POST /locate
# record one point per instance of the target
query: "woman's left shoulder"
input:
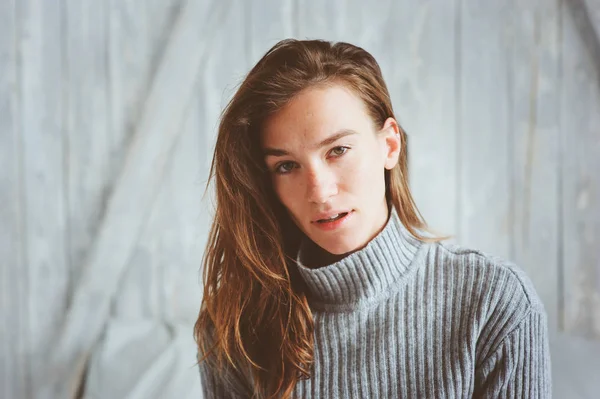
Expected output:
(496, 275)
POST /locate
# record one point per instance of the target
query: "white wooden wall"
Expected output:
(108, 112)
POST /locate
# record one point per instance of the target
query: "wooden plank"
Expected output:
(129, 66)
(580, 174)
(182, 204)
(15, 375)
(592, 9)
(348, 21)
(225, 70)
(423, 85)
(161, 16)
(134, 193)
(355, 22)
(137, 35)
(219, 80)
(484, 131)
(175, 212)
(535, 120)
(92, 148)
(130, 54)
(157, 283)
(180, 228)
(323, 20)
(41, 121)
(575, 366)
(144, 359)
(268, 22)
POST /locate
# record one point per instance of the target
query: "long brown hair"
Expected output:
(255, 322)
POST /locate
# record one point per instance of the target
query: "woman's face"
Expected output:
(327, 162)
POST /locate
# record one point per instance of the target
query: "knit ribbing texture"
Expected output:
(405, 319)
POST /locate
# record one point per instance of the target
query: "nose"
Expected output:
(321, 185)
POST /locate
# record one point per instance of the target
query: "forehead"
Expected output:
(316, 113)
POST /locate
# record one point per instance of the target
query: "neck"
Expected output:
(317, 257)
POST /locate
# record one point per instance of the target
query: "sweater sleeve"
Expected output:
(212, 386)
(216, 384)
(520, 366)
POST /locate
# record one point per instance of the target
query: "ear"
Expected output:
(391, 136)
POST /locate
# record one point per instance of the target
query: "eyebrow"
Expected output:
(276, 152)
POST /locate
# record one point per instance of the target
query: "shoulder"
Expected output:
(497, 296)
(499, 277)
(494, 296)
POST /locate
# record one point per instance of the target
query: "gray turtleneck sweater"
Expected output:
(405, 319)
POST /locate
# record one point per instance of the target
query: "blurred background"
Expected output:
(108, 116)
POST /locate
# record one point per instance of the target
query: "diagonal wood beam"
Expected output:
(134, 193)
(592, 8)
(584, 23)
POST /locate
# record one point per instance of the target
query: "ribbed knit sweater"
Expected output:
(405, 319)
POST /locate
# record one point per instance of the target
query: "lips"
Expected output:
(333, 218)
(330, 216)
(333, 221)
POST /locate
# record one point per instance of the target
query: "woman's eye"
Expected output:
(338, 151)
(284, 167)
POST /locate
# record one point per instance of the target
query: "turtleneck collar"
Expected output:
(366, 273)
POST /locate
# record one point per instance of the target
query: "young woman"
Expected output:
(320, 279)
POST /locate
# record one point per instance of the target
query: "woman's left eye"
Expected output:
(338, 151)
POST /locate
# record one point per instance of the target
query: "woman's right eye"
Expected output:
(285, 167)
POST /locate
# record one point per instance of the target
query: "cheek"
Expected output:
(286, 190)
(364, 176)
